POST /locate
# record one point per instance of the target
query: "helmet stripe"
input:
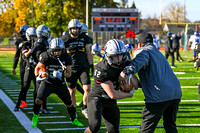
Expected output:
(117, 44)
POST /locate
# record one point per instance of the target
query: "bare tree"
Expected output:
(174, 12)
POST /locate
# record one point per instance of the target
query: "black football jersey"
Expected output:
(76, 47)
(52, 64)
(26, 46)
(40, 45)
(104, 72)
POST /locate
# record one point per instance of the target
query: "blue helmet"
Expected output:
(64, 33)
(22, 30)
(196, 33)
(173, 35)
(153, 36)
(169, 33)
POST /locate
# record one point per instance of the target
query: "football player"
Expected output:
(129, 48)
(168, 49)
(18, 54)
(29, 68)
(194, 39)
(41, 45)
(58, 64)
(105, 90)
(155, 41)
(77, 46)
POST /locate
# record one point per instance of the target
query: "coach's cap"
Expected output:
(145, 38)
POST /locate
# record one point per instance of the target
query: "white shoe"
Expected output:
(85, 113)
(173, 67)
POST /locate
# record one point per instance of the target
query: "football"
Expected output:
(129, 86)
(43, 73)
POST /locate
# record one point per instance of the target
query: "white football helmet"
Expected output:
(56, 44)
(84, 28)
(74, 23)
(43, 31)
(96, 49)
(30, 32)
(115, 47)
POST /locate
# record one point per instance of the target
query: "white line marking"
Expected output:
(55, 122)
(44, 117)
(51, 112)
(32, 108)
(21, 117)
(18, 95)
(135, 126)
(179, 72)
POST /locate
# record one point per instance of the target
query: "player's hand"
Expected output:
(122, 79)
(13, 71)
(39, 77)
(57, 74)
(132, 92)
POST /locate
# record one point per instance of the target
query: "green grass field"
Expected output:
(131, 108)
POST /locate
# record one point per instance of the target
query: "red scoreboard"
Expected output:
(114, 19)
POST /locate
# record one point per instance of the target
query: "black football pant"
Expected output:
(152, 113)
(28, 76)
(22, 72)
(167, 54)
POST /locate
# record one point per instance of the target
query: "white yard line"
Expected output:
(135, 126)
(21, 117)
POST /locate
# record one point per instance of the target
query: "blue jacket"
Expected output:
(158, 81)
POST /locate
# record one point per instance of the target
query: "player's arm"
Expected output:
(67, 72)
(38, 67)
(89, 55)
(112, 93)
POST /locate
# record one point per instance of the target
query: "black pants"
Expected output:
(22, 73)
(171, 54)
(176, 50)
(110, 112)
(152, 112)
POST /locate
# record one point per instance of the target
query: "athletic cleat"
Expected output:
(16, 108)
(77, 123)
(85, 113)
(45, 111)
(35, 120)
(23, 105)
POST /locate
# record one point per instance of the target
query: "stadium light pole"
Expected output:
(160, 20)
(87, 13)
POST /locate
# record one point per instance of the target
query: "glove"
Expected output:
(57, 74)
(132, 91)
(39, 77)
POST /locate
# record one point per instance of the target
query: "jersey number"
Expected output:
(97, 73)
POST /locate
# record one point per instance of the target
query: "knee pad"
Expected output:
(38, 101)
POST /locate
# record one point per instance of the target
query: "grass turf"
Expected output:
(130, 112)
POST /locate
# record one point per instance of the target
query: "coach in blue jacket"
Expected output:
(159, 84)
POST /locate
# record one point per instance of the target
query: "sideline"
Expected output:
(21, 117)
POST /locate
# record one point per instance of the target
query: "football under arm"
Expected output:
(67, 72)
(38, 67)
(112, 93)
